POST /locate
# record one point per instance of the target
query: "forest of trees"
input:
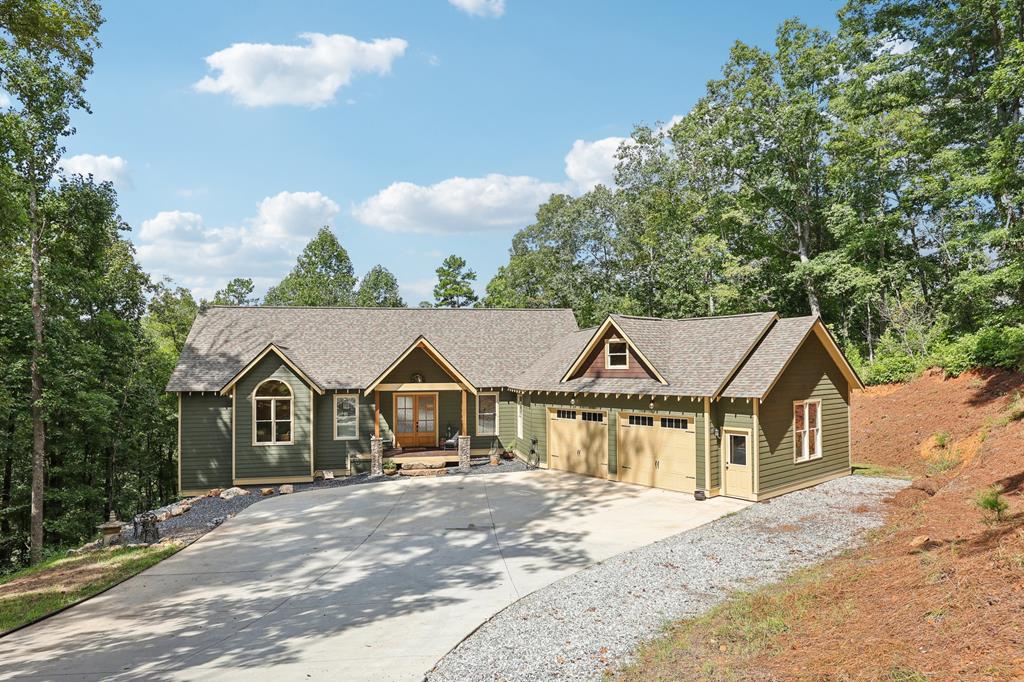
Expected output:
(874, 175)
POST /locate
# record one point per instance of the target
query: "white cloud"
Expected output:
(457, 204)
(261, 75)
(102, 167)
(480, 8)
(589, 164)
(5, 100)
(180, 245)
(492, 202)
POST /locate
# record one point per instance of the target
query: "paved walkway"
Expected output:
(367, 582)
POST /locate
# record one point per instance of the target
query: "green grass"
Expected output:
(877, 470)
(58, 583)
(943, 463)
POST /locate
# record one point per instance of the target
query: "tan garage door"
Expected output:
(657, 450)
(578, 441)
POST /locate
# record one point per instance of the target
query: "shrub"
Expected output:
(942, 439)
(989, 347)
(991, 502)
(891, 369)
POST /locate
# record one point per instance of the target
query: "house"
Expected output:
(747, 406)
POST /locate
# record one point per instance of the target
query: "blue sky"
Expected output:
(233, 130)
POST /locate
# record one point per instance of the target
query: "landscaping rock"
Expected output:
(423, 465)
(232, 493)
(265, 492)
(422, 472)
(286, 489)
(214, 492)
(921, 542)
(162, 515)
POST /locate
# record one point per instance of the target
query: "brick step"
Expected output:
(422, 472)
(421, 465)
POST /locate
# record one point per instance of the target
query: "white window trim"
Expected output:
(607, 356)
(273, 415)
(519, 417)
(496, 427)
(351, 396)
(800, 449)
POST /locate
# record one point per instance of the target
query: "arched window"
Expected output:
(272, 413)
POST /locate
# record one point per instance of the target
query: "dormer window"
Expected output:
(616, 354)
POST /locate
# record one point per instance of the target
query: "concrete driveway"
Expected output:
(363, 582)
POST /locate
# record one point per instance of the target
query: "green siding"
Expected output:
(811, 374)
(205, 441)
(727, 413)
(334, 454)
(270, 461)
(418, 362)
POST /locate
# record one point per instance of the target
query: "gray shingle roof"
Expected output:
(522, 349)
(694, 355)
(350, 347)
(769, 358)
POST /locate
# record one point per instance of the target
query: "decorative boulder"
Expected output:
(266, 491)
(232, 493)
(214, 492)
(146, 530)
(163, 514)
(286, 489)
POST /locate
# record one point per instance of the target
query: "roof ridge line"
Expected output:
(697, 317)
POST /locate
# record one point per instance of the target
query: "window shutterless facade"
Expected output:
(640, 420)
(806, 430)
(616, 354)
(487, 414)
(346, 417)
(674, 423)
(565, 414)
(272, 413)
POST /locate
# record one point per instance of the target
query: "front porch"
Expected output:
(424, 456)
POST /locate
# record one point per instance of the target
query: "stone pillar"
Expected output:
(464, 453)
(376, 456)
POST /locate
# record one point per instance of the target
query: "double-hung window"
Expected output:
(272, 413)
(806, 430)
(487, 414)
(346, 416)
(616, 354)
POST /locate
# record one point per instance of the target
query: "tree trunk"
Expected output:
(36, 395)
(6, 541)
(803, 247)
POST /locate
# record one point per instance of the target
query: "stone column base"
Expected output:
(464, 453)
(376, 456)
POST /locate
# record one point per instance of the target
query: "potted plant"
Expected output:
(390, 467)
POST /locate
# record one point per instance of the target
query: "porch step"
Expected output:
(422, 465)
(432, 471)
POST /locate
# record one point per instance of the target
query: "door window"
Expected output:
(403, 414)
(425, 419)
(737, 449)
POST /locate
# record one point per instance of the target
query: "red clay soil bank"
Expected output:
(949, 607)
(892, 424)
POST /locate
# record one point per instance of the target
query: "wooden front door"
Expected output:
(416, 420)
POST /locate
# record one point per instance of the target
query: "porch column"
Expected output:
(464, 438)
(376, 414)
(464, 431)
(376, 456)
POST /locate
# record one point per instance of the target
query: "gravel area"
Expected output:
(207, 513)
(586, 625)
